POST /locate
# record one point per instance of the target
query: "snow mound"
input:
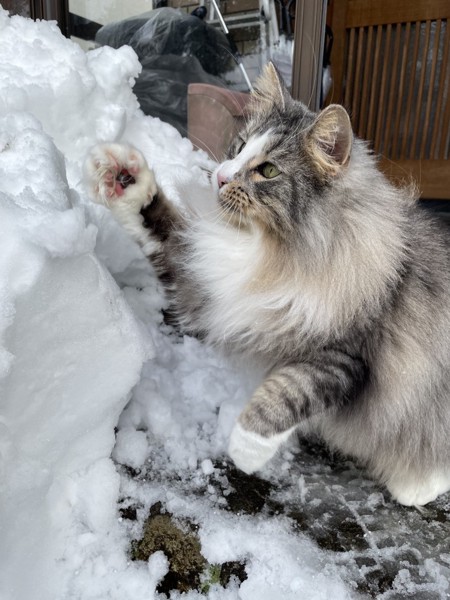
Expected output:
(70, 348)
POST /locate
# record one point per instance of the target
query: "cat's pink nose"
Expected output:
(222, 179)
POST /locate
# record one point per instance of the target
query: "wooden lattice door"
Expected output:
(391, 70)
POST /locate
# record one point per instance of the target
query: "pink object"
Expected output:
(215, 114)
(118, 189)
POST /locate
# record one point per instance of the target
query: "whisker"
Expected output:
(208, 172)
(211, 153)
(239, 226)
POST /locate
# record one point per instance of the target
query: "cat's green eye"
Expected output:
(269, 170)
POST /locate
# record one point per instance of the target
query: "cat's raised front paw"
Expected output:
(117, 175)
(251, 451)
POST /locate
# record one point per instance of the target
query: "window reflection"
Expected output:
(178, 42)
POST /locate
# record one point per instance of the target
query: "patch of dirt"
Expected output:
(250, 493)
(180, 544)
(188, 569)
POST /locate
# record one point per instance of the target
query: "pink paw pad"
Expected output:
(123, 180)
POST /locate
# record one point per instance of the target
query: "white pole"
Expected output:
(238, 58)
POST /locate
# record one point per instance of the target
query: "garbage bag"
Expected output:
(175, 49)
(162, 87)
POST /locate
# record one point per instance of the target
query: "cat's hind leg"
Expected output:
(418, 489)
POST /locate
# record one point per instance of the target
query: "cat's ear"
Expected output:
(269, 89)
(330, 139)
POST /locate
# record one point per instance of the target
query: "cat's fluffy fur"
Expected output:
(331, 277)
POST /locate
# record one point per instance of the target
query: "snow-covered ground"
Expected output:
(106, 415)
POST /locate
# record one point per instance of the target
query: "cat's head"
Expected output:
(285, 159)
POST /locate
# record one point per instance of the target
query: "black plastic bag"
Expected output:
(175, 49)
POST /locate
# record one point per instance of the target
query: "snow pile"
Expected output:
(83, 350)
(71, 350)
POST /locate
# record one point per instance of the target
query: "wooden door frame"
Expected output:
(309, 40)
(431, 173)
(52, 10)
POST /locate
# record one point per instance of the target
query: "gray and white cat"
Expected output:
(337, 282)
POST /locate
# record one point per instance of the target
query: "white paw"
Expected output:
(419, 490)
(251, 451)
(117, 176)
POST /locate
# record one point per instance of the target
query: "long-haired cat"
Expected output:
(336, 281)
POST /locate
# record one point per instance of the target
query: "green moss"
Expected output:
(210, 577)
(188, 569)
(222, 574)
(180, 544)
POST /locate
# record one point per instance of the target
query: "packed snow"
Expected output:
(103, 408)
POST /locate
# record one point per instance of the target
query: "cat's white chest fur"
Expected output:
(253, 297)
(225, 261)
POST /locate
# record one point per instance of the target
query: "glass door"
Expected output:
(223, 43)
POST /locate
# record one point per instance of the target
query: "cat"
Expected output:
(316, 266)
